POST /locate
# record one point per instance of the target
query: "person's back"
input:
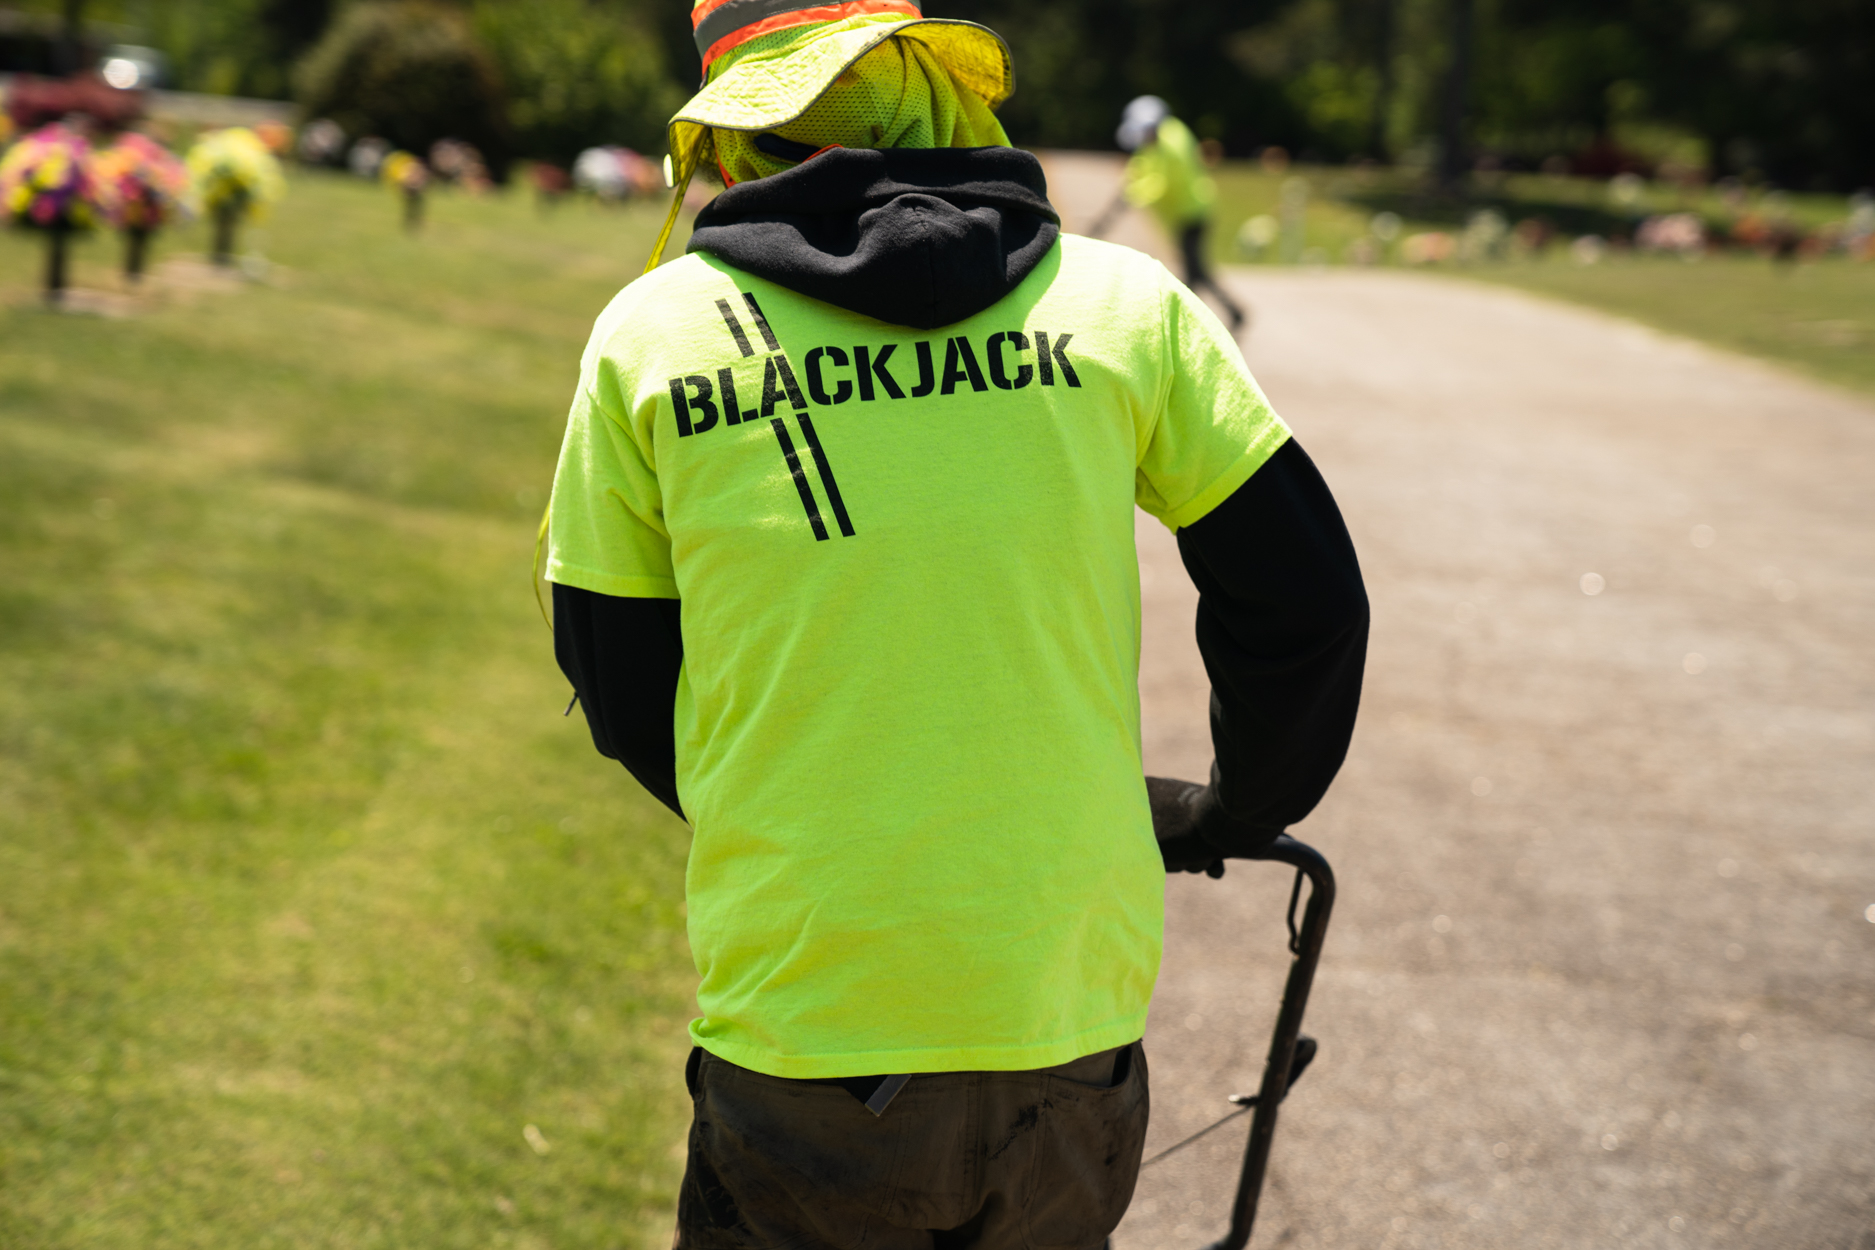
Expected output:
(881, 434)
(1167, 175)
(909, 701)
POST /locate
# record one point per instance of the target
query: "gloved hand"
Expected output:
(1176, 812)
(1194, 831)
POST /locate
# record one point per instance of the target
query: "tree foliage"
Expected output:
(1079, 61)
(1778, 88)
(228, 47)
(411, 72)
(1775, 87)
(1785, 87)
(577, 75)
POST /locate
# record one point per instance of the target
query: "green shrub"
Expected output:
(578, 75)
(411, 72)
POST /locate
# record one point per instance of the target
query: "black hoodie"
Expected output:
(920, 237)
(926, 238)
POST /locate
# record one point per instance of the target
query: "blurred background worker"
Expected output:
(1166, 175)
(842, 543)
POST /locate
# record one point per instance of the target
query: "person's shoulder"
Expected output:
(1174, 133)
(663, 301)
(1080, 250)
(663, 318)
(1113, 265)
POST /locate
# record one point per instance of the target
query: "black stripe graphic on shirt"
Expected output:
(735, 327)
(800, 480)
(761, 322)
(826, 475)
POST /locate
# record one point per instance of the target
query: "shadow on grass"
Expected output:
(1430, 207)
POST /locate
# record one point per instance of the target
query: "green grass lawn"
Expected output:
(1817, 316)
(310, 900)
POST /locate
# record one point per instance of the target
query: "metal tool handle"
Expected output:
(1108, 215)
(1305, 944)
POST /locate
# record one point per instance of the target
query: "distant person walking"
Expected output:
(1166, 175)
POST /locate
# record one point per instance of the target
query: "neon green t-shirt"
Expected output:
(1168, 177)
(907, 723)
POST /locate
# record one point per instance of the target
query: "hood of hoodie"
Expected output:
(919, 237)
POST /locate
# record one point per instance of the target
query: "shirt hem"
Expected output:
(618, 585)
(1199, 506)
(927, 1060)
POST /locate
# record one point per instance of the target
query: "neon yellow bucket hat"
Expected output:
(765, 62)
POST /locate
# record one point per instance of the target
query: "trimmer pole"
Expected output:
(1306, 945)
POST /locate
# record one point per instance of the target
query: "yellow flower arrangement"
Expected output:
(235, 173)
(402, 171)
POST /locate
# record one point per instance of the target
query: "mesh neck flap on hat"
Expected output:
(899, 95)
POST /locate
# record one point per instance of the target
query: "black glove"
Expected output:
(1194, 831)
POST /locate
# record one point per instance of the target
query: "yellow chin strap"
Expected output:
(687, 144)
(540, 548)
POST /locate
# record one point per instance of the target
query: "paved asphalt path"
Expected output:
(1603, 967)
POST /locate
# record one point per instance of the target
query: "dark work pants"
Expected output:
(1198, 275)
(1041, 1160)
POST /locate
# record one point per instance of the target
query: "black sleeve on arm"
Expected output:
(622, 656)
(1282, 626)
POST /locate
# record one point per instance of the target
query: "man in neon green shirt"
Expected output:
(842, 552)
(1166, 175)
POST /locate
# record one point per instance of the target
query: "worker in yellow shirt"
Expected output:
(1166, 175)
(844, 564)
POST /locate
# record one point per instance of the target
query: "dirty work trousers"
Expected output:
(1040, 1160)
(1198, 273)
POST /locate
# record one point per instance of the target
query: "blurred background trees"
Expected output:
(411, 73)
(1773, 89)
(579, 75)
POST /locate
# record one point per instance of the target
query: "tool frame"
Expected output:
(1305, 945)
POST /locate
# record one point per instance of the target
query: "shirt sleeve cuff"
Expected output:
(618, 585)
(1223, 487)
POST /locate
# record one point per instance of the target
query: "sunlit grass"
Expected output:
(310, 901)
(1818, 316)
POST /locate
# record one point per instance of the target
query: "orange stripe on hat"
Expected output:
(721, 26)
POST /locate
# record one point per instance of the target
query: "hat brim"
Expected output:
(771, 88)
